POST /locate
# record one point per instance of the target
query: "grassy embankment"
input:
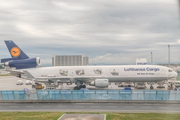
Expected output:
(109, 116)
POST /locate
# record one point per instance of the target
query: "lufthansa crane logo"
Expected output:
(15, 51)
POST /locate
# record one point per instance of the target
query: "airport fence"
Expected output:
(90, 95)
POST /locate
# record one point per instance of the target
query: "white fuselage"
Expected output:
(116, 73)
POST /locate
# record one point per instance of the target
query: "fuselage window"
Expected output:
(170, 70)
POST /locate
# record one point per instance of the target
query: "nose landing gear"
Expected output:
(79, 85)
(151, 87)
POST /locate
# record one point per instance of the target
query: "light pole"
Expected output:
(94, 61)
(151, 58)
(168, 55)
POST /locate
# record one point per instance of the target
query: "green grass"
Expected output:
(178, 78)
(30, 115)
(5, 75)
(142, 116)
(109, 115)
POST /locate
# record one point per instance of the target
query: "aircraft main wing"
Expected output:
(85, 79)
(14, 72)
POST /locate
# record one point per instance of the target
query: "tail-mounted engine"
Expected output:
(23, 63)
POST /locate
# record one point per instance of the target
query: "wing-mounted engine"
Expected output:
(101, 83)
(23, 63)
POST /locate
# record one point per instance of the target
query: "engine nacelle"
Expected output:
(38, 61)
(101, 83)
(24, 63)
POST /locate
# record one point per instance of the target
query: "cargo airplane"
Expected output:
(98, 76)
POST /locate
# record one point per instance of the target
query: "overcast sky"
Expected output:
(108, 32)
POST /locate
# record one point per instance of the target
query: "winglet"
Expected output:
(28, 75)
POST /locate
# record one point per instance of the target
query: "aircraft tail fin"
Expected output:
(28, 75)
(14, 50)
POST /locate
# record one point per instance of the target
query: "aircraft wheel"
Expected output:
(83, 86)
(76, 88)
(151, 87)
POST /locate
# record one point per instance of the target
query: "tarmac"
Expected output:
(92, 107)
(9, 83)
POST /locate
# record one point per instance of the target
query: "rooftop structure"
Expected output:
(70, 60)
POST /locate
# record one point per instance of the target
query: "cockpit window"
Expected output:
(170, 70)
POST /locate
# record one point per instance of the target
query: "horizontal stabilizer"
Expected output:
(7, 59)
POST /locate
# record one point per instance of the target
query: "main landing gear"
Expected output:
(79, 85)
(78, 88)
(151, 87)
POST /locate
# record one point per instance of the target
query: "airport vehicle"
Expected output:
(51, 86)
(174, 83)
(98, 76)
(125, 84)
(140, 85)
(38, 86)
(84, 89)
(28, 82)
(127, 88)
(19, 82)
(26, 89)
(69, 83)
(177, 84)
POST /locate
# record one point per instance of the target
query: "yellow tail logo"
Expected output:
(15, 51)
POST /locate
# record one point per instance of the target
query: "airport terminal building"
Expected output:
(70, 60)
